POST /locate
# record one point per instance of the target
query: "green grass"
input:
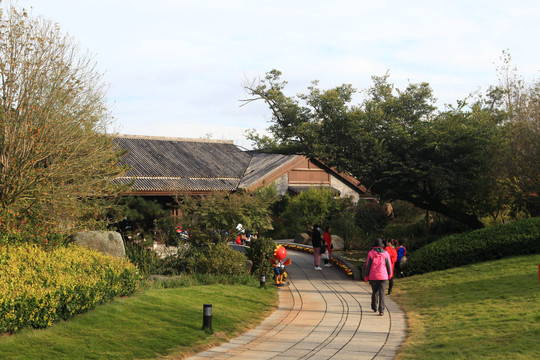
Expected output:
(147, 325)
(489, 310)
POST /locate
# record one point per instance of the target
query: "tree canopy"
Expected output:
(56, 161)
(395, 141)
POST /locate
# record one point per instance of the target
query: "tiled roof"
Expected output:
(261, 165)
(173, 164)
(178, 184)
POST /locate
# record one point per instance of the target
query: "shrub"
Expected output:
(146, 260)
(28, 231)
(39, 287)
(260, 251)
(214, 259)
(405, 212)
(517, 238)
(353, 236)
(371, 217)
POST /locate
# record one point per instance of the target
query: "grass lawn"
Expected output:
(355, 257)
(149, 324)
(483, 311)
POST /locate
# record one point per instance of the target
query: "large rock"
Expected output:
(107, 242)
(338, 242)
(302, 238)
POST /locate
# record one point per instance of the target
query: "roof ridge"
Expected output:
(166, 138)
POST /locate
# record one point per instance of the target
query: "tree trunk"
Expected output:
(471, 221)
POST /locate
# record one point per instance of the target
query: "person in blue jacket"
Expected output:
(401, 252)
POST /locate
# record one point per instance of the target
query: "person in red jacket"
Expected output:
(378, 271)
(328, 245)
(389, 248)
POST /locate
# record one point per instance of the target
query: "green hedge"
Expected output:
(517, 238)
(39, 287)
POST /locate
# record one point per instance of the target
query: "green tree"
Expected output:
(394, 142)
(56, 163)
(316, 205)
(521, 161)
(214, 217)
(144, 219)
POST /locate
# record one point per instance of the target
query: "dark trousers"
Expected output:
(397, 269)
(378, 288)
(390, 285)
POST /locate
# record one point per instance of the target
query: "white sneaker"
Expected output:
(318, 268)
(328, 265)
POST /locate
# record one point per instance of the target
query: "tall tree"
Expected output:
(55, 159)
(522, 160)
(394, 142)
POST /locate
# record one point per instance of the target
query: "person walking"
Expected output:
(401, 252)
(327, 237)
(389, 248)
(316, 242)
(378, 271)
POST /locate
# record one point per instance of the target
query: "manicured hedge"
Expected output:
(39, 287)
(517, 238)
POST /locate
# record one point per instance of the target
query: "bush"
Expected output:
(371, 217)
(517, 238)
(214, 259)
(26, 231)
(146, 259)
(353, 236)
(405, 212)
(416, 235)
(39, 287)
(260, 251)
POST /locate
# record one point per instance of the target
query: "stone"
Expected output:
(338, 242)
(107, 242)
(249, 265)
(302, 238)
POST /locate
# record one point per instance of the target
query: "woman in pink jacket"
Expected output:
(378, 271)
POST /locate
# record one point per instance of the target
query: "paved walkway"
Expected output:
(321, 315)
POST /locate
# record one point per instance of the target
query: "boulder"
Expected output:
(338, 242)
(249, 265)
(302, 238)
(107, 242)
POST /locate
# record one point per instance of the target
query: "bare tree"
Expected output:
(55, 156)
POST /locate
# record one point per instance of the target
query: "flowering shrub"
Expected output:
(39, 287)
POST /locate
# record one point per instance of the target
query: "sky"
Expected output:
(176, 68)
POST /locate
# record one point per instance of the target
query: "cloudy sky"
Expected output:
(176, 67)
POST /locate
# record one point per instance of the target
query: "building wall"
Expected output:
(343, 189)
(282, 184)
(307, 172)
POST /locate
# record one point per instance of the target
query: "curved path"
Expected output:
(321, 315)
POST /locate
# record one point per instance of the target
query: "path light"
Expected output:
(262, 280)
(207, 317)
